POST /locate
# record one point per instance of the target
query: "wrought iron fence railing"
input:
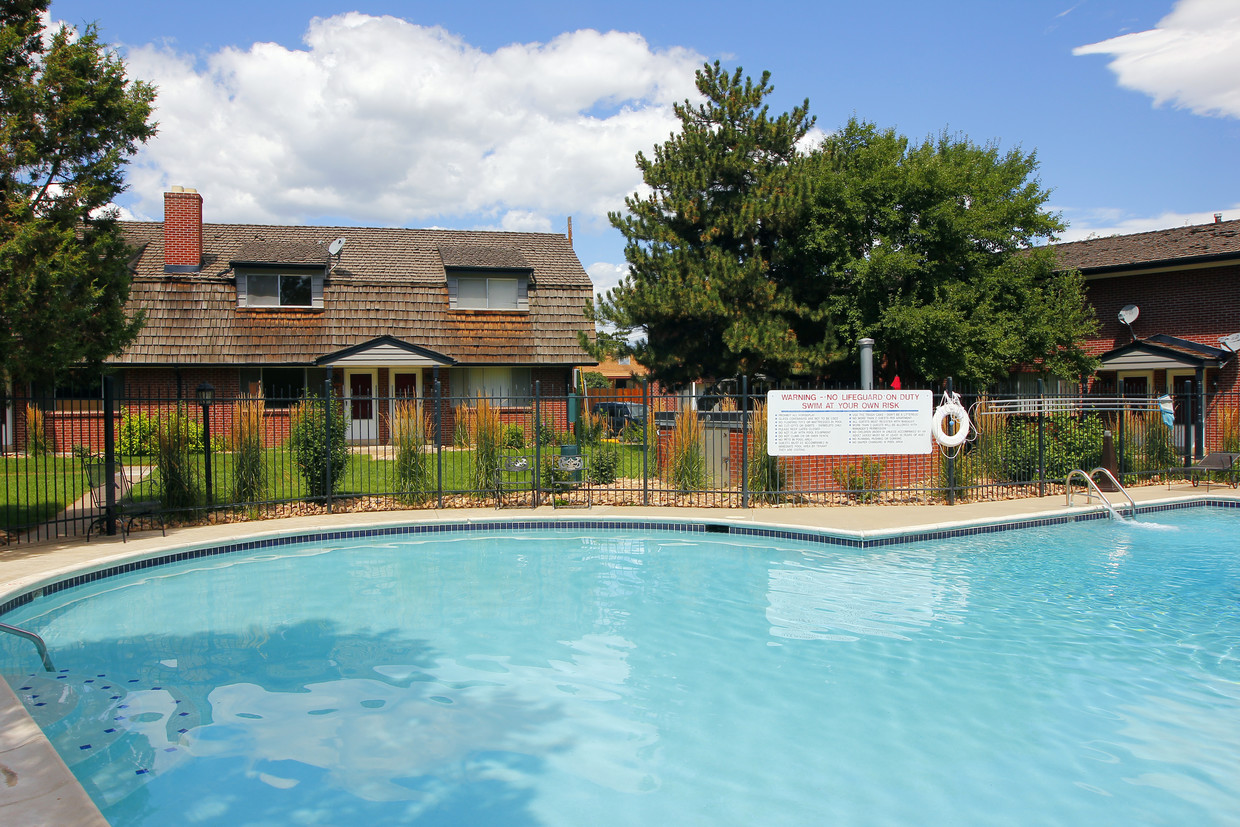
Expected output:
(243, 458)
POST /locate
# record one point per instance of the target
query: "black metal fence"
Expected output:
(233, 459)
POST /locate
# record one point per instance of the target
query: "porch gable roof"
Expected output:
(388, 351)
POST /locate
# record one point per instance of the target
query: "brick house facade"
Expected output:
(1183, 286)
(381, 313)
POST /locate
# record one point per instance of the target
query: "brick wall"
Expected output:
(1198, 305)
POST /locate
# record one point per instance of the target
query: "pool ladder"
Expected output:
(1093, 489)
(33, 638)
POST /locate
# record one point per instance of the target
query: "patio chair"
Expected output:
(127, 509)
(1220, 462)
(513, 476)
(569, 476)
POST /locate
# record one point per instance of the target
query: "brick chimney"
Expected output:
(182, 230)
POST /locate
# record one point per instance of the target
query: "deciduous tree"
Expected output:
(69, 121)
(932, 250)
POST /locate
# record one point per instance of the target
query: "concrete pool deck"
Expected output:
(37, 788)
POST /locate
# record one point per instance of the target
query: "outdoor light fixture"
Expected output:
(205, 393)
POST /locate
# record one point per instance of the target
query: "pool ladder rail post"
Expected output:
(1093, 490)
(33, 638)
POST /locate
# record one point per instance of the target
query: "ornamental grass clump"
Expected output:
(245, 441)
(174, 456)
(410, 428)
(1229, 429)
(687, 465)
(488, 445)
(37, 442)
(765, 477)
(863, 481)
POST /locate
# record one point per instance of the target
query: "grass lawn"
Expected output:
(38, 488)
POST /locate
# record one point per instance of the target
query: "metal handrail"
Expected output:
(33, 638)
(1093, 487)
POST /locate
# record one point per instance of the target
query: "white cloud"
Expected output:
(606, 275)
(1103, 222)
(383, 121)
(1191, 58)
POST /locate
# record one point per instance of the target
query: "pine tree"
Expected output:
(713, 281)
(69, 120)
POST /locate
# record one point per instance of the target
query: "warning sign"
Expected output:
(831, 423)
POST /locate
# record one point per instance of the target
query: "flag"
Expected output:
(1168, 412)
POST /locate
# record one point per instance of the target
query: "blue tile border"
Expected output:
(534, 524)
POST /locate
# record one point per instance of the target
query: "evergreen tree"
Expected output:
(930, 249)
(714, 282)
(69, 120)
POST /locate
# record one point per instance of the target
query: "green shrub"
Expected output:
(604, 464)
(632, 434)
(545, 432)
(514, 437)
(314, 448)
(178, 442)
(414, 479)
(553, 473)
(968, 473)
(1070, 443)
(245, 441)
(139, 433)
(863, 481)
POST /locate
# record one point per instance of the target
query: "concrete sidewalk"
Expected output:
(36, 788)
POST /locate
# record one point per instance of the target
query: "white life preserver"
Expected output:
(951, 407)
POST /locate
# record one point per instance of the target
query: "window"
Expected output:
(482, 293)
(281, 387)
(508, 387)
(279, 291)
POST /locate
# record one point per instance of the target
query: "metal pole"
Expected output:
(646, 442)
(327, 420)
(951, 463)
(438, 438)
(537, 437)
(1199, 422)
(1041, 439)
(109, 452)
(744, 442)
(206, 449)
(867, 364)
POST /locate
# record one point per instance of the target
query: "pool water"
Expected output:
(1079, 674)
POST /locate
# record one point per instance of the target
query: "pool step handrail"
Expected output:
(1093, 489)
(33, 638)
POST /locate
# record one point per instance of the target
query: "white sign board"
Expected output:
(832, 423)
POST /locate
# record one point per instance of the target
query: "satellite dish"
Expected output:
(1231, 342)
(1129, 314)
(336, 246)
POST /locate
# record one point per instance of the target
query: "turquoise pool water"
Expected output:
(1081, 674)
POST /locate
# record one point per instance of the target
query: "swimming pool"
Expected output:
(1087, 673)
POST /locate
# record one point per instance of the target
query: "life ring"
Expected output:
(951, 407)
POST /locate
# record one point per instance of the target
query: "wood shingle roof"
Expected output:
(385, 282)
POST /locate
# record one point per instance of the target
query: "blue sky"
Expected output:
(517, 115)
